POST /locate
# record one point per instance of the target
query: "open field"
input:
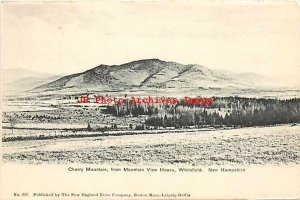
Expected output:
(276, 145)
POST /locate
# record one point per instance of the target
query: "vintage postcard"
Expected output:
(150, 100)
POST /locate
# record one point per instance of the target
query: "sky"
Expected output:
(66, 38)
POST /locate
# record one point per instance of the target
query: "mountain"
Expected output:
(153, 74)
(18, 79)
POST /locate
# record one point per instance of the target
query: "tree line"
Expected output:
(224, 111)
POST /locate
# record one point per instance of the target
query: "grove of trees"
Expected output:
(224, 111)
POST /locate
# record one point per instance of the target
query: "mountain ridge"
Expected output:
(150, 73)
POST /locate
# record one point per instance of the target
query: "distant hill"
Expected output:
(155, 73)
(18, 79)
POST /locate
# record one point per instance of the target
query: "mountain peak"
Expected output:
(144, 61)
(147, 73)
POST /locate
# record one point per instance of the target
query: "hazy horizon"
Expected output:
(67, 38)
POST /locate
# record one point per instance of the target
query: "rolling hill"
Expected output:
(19, 79)
(154, 74)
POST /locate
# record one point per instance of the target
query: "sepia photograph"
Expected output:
(160, 89)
